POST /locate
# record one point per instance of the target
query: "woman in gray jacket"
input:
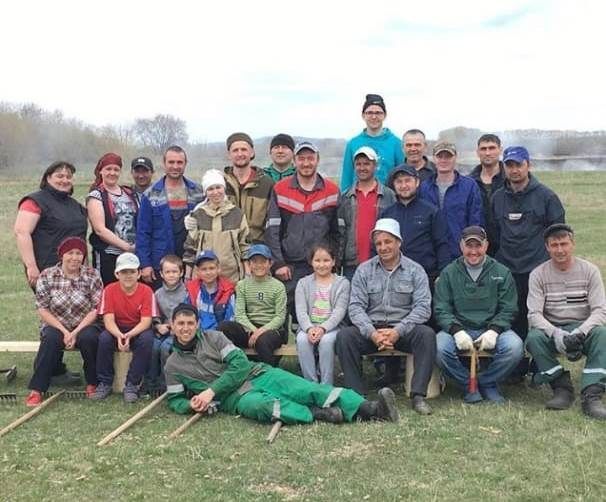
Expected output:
(321, 301)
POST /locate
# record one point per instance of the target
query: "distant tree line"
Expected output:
(31, 138)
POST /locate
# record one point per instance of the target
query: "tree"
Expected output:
(161, 132)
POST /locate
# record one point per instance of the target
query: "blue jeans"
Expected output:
(508, 352)
(161, 349)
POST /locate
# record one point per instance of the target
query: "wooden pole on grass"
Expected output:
(274, 431)
(115, 433)
(182, 428)
(31, 414)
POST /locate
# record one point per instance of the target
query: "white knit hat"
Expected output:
(211, 178)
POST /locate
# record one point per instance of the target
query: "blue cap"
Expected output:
(207, 254)
(516, 153)
(258, 249)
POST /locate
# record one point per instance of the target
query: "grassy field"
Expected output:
(516, 452)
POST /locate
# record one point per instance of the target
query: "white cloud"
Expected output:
(271, 66)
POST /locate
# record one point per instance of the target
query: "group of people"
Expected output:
(410, 255)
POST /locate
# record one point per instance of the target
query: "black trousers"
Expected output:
(298, 270)
(266, 343)
(105, 264)
(420, 342)
(51, 351)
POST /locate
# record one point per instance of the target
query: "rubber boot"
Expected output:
(331, 414)
(592, 401)
(384, 408)
(563, 393)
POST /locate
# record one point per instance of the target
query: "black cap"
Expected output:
(184, 307)
(406, 169)
(283, 140)
(474, 232)
(555, 228)
(373, 99)
(143, 162)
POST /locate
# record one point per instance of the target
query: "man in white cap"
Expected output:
(359, 209)
(390, 301)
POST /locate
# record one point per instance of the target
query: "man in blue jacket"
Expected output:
(522, 210)
(424, 231)
(160, 226)
(457, 196)
(379, 138)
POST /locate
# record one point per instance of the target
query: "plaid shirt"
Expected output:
(69, 300)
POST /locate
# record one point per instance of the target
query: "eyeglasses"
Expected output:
(374, 114)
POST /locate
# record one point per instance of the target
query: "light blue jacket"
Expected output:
(388, 147)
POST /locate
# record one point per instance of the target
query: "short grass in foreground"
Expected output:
(516, 452)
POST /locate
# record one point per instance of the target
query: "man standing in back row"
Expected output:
(415, 148)
(248, 187)
(385, 143)
(281, 151)
(522, 210)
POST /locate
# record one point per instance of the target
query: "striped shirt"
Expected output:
(260, 303)
(320, 310)
(557, 298)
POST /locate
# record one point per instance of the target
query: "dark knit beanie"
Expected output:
(373, 99)
(283, 140)
(239, 136)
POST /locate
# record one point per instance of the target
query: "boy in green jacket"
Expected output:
(206, 367)
(474, 303)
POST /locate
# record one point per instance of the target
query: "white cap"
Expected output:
(127, 261)
(211, 178)
(367, 152)
(388, 225)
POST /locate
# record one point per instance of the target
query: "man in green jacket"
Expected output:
(206, 367)
(475, 302)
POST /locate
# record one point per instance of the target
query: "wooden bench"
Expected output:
(122, 362)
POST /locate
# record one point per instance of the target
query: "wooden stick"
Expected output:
(31, 413)
(473, 364)
(274, 431)
(132, 420)
(182, 428)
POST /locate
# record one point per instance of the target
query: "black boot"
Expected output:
(563, 393)
(420, 405)
(331, 414)
(592, 401)
(384, 408)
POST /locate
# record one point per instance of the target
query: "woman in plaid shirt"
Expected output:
(67, 296)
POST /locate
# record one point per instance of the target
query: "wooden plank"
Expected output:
(19, 346)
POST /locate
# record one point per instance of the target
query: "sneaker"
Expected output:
(102, 391)
(90, 390)
(492, 394)
(130, 393)
(420, 405)
(34, 399)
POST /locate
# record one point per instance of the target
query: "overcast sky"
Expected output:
(304, 67)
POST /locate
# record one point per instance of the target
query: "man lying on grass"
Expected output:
(206, 366)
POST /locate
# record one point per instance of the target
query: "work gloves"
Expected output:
(487, 340)
(569, 344)
(463, 341)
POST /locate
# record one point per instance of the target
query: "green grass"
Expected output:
(516, 452)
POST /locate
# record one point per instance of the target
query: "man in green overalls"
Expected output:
(206, 367)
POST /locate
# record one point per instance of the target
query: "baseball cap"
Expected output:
(403, 169)
(516, 153)
(306, 145)
(444, 146)
(473, 232)
(555, 228)
(143, 162)
(207, 254)
(367, 152)
(127, 261)
(388, 225)
(258, 250)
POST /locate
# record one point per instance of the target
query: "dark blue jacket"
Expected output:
(424, 233)
(497, 182)
(520, 219)
(462, 206)
(155, 237)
